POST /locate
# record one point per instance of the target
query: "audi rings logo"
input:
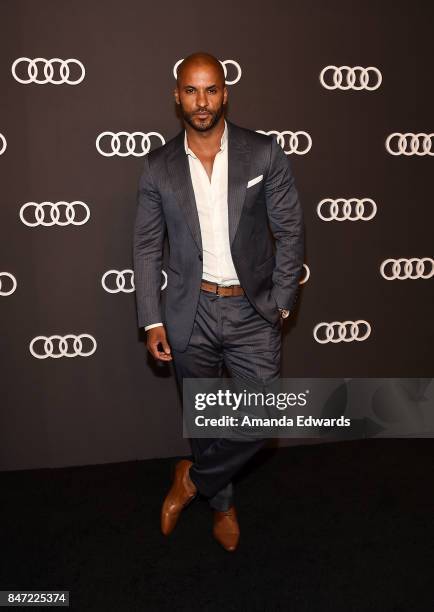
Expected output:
(345, 331)
(126, 143)
(347, 77)
(39, 213)
(402, 269)
(3, 144)
(7, 279)
(289, 141)
(55, 346)
(306, 276)
(236, 68)
(119, 277)
(409, 144)
(342, 209)
(63, 68)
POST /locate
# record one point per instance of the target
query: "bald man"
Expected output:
(216, 189)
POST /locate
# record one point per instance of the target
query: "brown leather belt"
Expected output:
(221, 289)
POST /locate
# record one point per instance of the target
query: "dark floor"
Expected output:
(345, 526)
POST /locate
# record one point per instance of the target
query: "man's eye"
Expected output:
(212, 90)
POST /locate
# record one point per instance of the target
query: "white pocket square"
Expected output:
(254, 181)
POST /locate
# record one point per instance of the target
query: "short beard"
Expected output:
(214, 119)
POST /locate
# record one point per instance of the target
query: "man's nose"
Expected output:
(202, 99)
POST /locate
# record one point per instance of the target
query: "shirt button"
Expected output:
(200, 256)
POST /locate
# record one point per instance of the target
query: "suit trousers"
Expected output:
(227, 331)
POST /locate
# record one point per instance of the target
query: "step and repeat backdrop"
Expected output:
(87, 87)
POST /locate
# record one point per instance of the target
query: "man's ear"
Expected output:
(176, 95)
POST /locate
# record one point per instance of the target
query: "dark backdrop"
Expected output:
(116, 404)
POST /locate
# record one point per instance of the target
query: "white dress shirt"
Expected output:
(212, 207)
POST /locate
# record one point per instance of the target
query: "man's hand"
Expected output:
(154, 337)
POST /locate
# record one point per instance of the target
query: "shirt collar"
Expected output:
(223, 141)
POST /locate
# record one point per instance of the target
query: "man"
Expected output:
(216, 188)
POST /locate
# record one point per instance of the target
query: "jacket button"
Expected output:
(200, 256)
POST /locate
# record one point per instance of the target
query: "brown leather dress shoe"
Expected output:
(226, 529)
(181, 493)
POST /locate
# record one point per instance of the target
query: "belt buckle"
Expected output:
(225, 287)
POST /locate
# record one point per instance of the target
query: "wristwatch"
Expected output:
(284, 313)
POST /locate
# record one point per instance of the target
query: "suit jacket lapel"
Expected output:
(238, 176)
(180, 178)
